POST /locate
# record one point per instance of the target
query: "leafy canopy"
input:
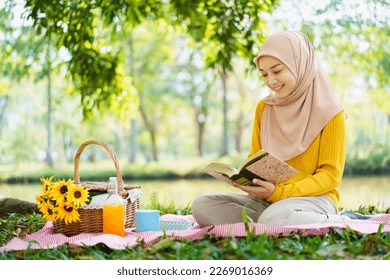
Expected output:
(87, 30)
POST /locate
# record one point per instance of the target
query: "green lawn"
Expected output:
(336, 244)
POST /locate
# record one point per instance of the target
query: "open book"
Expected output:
(261, 165)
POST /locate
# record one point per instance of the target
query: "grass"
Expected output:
(336, 244)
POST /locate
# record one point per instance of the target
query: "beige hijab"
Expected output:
(290, 124)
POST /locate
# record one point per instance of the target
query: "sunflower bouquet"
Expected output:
(60, 200)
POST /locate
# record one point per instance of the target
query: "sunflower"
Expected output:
(40, 199)
(60, 189)
(47, 184)
(48, 210)
(60, 200)
(68, 213)
(77, 195)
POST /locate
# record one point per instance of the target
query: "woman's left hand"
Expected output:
(262, 189)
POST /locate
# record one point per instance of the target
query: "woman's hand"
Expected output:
(263, 189)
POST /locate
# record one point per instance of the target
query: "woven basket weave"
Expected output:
(91, 218)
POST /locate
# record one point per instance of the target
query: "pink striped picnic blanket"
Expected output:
(45, 238)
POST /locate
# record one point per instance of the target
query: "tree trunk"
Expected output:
(201, 126)
(133, 121)
(13, 205)
(149, 127)
(200, 122)
(225, 141)
(3, 105)
(49, 159)
(241, 122)
(61, 149)
(240, 128)
(154, 145)
(133, 140)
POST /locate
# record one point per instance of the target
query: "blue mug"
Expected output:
(147, 220)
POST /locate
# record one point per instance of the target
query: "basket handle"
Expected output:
(76, 173)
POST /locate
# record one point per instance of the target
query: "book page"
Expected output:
(272, 169)
(220, 168)
(235, 178)
(219, 176)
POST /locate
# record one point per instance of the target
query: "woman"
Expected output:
(302, 123)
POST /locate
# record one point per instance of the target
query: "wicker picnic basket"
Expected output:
(91, 218)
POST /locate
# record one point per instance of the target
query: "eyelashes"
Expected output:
(276, 72)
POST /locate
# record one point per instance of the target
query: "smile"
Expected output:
(278, 88)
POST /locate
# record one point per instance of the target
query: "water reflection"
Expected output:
(354, 192)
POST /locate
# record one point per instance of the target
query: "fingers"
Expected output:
(258, 182)
(238, 186)
(248, 189)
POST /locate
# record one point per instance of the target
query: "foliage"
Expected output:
(372, 161)
(225, 28)
(362, 36)
(14, 51)
(168, 209)
(19, 225)
(357, 80)
(336, 244)
(152, 56)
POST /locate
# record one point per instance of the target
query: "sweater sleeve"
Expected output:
(330, 165)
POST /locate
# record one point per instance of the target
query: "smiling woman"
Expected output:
(277, 76)
(302, 123)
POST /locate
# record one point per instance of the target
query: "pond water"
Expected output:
(354, 191)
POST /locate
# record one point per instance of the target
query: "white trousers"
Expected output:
(212, 209)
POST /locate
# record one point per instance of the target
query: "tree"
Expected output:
(361, 40)
(21, 50)
(225, 29)
(361, 35)
(153, 56)
(87, 32)
(94, 64)
(194, 86)
(9, 57)
(244, 95)
(4, 100)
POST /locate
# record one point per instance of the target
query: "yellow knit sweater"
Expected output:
(321, 166)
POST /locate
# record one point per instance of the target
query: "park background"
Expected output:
(171, 85)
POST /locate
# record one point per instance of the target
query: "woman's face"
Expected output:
(277, 76)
